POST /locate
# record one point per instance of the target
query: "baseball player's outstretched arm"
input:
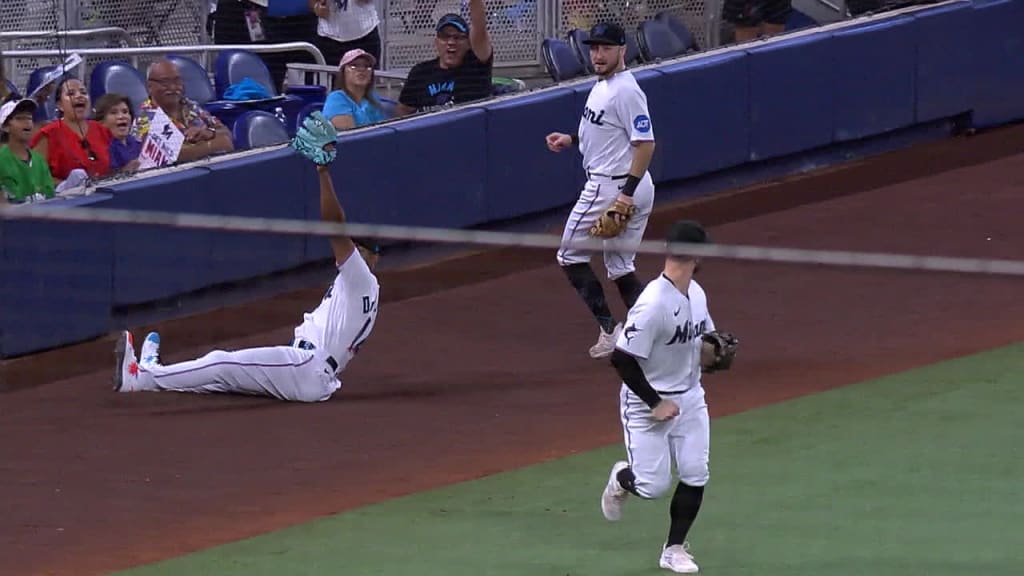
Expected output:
(331, 211)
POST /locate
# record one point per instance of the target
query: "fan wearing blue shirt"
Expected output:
(354, 103)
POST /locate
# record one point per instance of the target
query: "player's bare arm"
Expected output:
(331, 211)
(643, 152)
(633, 376)
(479, 39)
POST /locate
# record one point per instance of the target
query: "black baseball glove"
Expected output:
(717, 351)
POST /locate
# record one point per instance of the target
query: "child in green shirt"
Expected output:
(24, 173)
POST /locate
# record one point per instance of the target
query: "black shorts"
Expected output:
(752, 13)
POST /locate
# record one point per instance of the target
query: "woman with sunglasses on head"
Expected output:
(74, 142)
(354, 102)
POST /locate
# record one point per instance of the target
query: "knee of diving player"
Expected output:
(694, 471)
(652, 483)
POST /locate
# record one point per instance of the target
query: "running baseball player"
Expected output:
(616, 138)
(669, 337)
(328, 338)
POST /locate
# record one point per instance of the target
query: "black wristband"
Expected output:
(630, 186)
(575, 139)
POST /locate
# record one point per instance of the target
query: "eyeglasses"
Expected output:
(456, 37)
(85, 146)
(359, 67)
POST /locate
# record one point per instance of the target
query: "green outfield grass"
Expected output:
(914, 474)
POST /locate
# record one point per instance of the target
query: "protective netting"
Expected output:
(516, 30)
(134, 23)
(698, 15)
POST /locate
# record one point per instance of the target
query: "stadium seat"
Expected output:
(577, 38)
(390, 107)
(658, 42)
(632, 50)
(561, 60)
(306, 111)
(234, 65)
(119, 77)
(12, 88)
(197, 81)
(258, 128)
(679, 29)
(797, 20)
(49, 110)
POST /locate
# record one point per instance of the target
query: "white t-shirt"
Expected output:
(615, 116)
(659, 331)
(347, 313)
(351, 21)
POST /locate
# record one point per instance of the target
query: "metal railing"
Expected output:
(112, 31)
(205, 50)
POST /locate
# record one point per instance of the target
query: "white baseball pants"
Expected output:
(652, 446)
(597, 196)
(282, 372)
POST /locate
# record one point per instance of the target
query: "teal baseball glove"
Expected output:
(316, 139)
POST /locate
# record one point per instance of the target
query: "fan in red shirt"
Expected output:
(74, 141)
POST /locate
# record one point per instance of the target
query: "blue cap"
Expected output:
(455, 20)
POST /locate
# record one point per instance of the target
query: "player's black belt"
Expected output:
(675, 393)
(619, 177)
(307, 345)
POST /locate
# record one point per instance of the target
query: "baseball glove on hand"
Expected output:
(613, 221)
(316, 139)
(717, 351)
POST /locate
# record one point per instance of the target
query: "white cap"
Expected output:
(16, 106)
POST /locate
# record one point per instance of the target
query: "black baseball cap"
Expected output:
(689, 232)
(608, 33)
(454, 20)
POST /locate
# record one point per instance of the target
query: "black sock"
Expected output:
(583, 279)
(683, 511)
(627, 480)
(629, 288)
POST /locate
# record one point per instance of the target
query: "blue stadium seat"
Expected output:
(679, 29)
(561, 60)
(658, 41)
(577, 38)
(234, 65)
(306, 111)
(797, 20)
(258, 128)
(49, 110)
(389, 106)
(120, 77)
(197, 81)
(12, 88)
(632, 50)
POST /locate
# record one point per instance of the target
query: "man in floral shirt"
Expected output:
(204, 134)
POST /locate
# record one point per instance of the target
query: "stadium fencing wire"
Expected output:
(500, 239)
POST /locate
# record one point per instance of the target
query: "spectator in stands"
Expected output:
(354, 102)
(205, 135)
(462, 70)
(754, 18)
(115, 112)
(346, 25)
(24, 173)
(74, 146)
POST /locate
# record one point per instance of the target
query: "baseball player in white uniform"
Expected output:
(659, 357)
(616, 139)
(305, 371)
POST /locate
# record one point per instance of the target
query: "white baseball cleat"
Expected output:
(677, 559)
(605, 343)
(614, 494)
(126, 369)
(150, 352)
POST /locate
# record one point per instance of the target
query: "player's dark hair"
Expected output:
(687, 232)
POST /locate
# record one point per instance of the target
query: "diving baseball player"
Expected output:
(668, 338)
(326, 341)
(616, 138)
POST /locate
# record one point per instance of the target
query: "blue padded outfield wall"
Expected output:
(711, 112)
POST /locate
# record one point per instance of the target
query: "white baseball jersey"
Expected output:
(615, 115)
(347, 313)
(702, 321)
(349, 20)
(660, 332)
